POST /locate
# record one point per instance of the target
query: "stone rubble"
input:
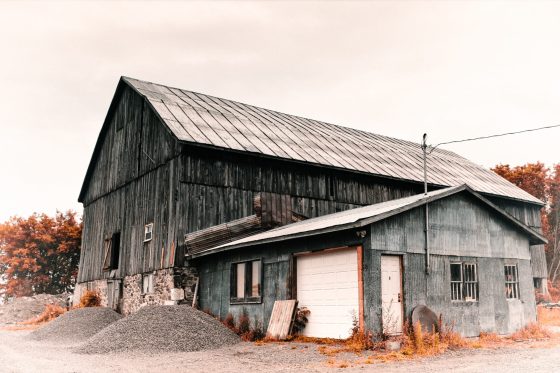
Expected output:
(76, 325)
(25, 308)
(155, 329)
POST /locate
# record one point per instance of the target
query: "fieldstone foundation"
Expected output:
(164, 282)
(98, 285)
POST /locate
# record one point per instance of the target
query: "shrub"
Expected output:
(229, 322)
(531, 331)
(90, 298)
(300, 320)
(51, 311)
(243, 323)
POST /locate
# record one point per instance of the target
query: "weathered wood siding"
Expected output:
(529, 214)
(461, 229)
(132, 184)
(133, 143)
(218, 187)
(277, 260)
(143, 175)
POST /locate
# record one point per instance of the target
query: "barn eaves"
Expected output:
(363, 216)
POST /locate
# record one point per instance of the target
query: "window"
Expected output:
(464, 282)
(148, 283)
(246, 282)
(148, 232)
(112, 252)
(512, 282)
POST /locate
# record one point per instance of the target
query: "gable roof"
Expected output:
(206, 120)
(202, 119)
(363, 216)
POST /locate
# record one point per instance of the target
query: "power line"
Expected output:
(498, 135)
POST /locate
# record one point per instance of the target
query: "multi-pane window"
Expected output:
(246, 282)
(512, 282)
(464, 282)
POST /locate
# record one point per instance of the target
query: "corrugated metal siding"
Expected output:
(203, 119)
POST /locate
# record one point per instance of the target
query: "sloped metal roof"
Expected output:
(197, 118)
(362, 216)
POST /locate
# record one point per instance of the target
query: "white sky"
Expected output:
(451, 69)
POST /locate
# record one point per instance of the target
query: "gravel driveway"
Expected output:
(20, 354)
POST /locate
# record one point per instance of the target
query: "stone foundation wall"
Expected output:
(98, 285)
(170, 286)
(186, 278)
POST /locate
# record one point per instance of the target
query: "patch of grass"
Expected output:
(51, 312)
(532, 331)
(548, 316)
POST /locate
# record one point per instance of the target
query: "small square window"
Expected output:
(464, 282)
(148, 232)
(246, 282)
(512, 281)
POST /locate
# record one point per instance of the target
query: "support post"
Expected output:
(426, 208)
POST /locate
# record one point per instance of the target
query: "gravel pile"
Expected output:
(24, 308)
(161, 328)
(76, 325)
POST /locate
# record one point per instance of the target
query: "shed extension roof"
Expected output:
(202, 119)
(362, 216)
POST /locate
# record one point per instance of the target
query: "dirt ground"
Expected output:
(19, 354)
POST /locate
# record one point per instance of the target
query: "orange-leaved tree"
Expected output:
(39, 254)
(553, 224)
(544, 184)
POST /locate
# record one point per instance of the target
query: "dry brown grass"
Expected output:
(548, 316)
(532, 331)
(90, 298)
(51, 311)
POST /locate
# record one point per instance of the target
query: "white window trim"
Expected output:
(151, 232)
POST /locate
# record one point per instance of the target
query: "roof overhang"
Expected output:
(535, 238)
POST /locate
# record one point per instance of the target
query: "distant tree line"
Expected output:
(39, 254)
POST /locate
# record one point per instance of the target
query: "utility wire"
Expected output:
(491, 136)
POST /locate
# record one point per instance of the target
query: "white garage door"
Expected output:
(327, 284)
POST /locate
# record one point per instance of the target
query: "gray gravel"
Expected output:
(24, 308)
(155, 329)
(76, 325)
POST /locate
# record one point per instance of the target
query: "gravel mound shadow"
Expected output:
(76, 325)
(161, 328)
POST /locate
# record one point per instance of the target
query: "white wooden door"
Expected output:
(391, 294)
(327, 284)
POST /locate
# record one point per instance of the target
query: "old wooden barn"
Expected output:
(192, 194)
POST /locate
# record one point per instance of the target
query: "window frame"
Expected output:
(112, 251)
(247, 282)
(468, 286)
(149, 278)
(151, 231)
(512, 284)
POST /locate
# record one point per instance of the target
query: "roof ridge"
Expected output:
(353, 149)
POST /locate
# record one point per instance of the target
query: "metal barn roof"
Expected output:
(197, 118)
(362, 216)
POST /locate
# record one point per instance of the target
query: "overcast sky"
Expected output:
(451, 69)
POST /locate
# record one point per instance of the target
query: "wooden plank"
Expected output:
(360, 252)
(281, 319)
